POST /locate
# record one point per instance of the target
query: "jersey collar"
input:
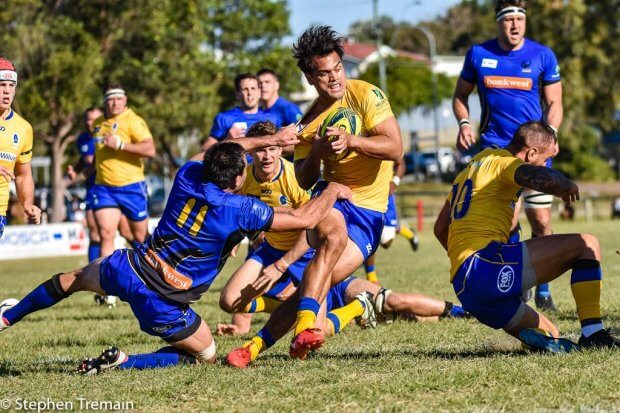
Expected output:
(10, 115)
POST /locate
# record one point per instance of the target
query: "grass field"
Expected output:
(452, 365)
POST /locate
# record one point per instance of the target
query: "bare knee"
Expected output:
(591, 247)
(227, 302)
(394, 301)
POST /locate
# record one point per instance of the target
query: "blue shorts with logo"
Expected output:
(337, 295)
(131, 199)
(157, 316)
(2, 224)
(490, 283)
(391, 219)
(266, 254)
(364, 226)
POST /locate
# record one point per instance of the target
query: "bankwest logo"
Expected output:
(505, 82)
(7, 156)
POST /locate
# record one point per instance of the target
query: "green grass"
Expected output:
(452, 365)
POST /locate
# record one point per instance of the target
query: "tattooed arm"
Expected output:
(547, 180)
(311, 213)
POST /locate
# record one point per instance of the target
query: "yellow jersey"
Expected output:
(482, 204)
(283, 190)
(119, 168)
(15, 147)
(367, 177)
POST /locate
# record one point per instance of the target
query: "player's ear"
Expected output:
(531, 154)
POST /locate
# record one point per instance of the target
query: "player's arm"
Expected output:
(310, 214)
(399, 171)
(553, 102)
(546, 180)
(24, 185)
(460, 106)
(284, 137)
(442, 225)
(144, 148)
(308, 169)
(384, 141)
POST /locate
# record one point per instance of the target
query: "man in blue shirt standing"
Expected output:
(287, 112)
(235, 122)
(518, 80)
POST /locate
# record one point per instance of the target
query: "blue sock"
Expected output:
(458, 312)
(44, 296)
(543, 290)
(94, 250)
(335, 321)
(369, 268)
(309, 304)
(164, 357)
(266, 336)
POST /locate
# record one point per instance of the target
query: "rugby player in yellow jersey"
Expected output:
(122, 139)
(490, 275)
(271, 179)
(15, 150)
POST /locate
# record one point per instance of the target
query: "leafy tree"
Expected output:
(409, 83)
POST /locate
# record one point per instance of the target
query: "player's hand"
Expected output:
(466, 137)
(286, 136)
(571, 194)
(33, 213)
(342, 191)
(233, 252)
(268, 277)
(235, 133)
(226, 329)
(340, 139)
(111, 141)
(71, 174)
(7, 174)
(321, 145)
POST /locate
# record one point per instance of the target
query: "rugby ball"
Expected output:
(345, 119)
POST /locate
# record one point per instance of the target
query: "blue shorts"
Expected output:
(267, 255)
(157, 316)
(364, 226)
(2, 224)
(490, 283)
(391, 219)
(337, 295)
(131, 199)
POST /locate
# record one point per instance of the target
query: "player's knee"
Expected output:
(227, 302)
(592, 244)
(541, 227)
(393, 302)
(208, 354)
(334, 239)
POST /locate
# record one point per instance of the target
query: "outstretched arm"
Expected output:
(284, 137)
(311, 213)
(547, 180)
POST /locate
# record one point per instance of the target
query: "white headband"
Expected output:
(8, 75)
(114, 93)
(509, 10)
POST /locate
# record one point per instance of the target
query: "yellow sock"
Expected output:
(372, 276)
(406, 232)
(262, 305)
(587, 296)
(341, 317)
(305, 319)
(256, 346)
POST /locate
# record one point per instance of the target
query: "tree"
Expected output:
(409, 83)
(175, 58)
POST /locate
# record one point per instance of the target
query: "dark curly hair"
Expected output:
(223, 163)
(317, 41)
(502, 4)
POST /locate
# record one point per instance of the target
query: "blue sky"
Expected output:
(341, 13)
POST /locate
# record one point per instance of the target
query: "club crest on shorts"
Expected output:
(505, 278)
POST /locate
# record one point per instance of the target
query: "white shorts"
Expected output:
(388, 234)
(536, 200)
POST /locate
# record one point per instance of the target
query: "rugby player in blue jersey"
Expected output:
(203, 220)
(518, 80)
